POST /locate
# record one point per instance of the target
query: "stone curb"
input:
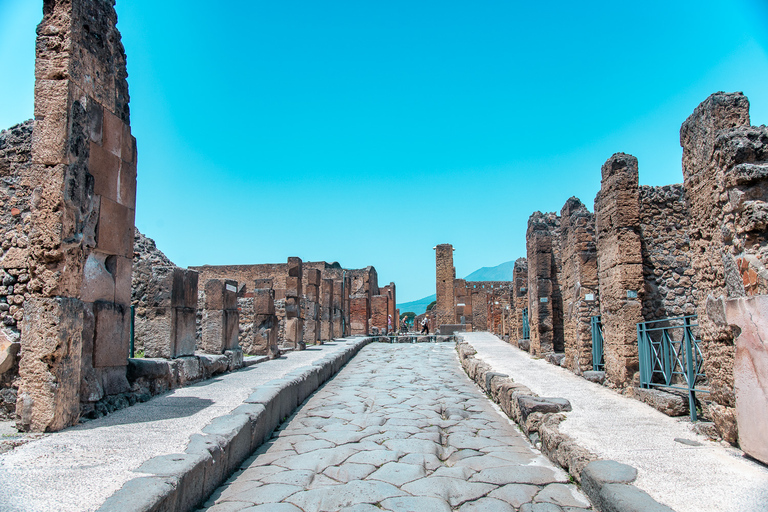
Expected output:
(607, 483)
(183, 481)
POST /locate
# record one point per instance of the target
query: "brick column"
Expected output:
(312, 306)
(620, 265)
(445, 274)
(520, 299)
(294, 323)
(265, 323)
(358, 315)
(221, 320)
(379, 312)
(545, 323)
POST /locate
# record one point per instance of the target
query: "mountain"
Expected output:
(501, 272)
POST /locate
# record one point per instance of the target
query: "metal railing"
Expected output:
(598, 356)
(526, 326)
(670, 356)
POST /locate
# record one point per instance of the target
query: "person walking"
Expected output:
(425, 325)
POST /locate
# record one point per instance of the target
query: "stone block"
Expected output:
(185, 332)
(114, 379)
(294, 333)
(293, 286)
(98, 281)
(312, 293)
(213, 328)
(49, 137)
(184, 293)
(105, 169)
(111, 337)
(264, 336)
(235, 429)
(263, 301)
(750, 372)
(292, 307)
(670, 404)
(294, 267)
(188, 469)
(122, 274)
(114, 233)
(127, 186)
(160, 286)
(156, 331)
(112, 134)
(263, 283)
(49, 369)
(185, 370)
(221, 294)
(313, 277)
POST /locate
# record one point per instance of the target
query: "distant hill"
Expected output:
(502, 272)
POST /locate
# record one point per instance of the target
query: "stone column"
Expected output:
(83, 166)
(221, 320)
(265, 324)
(520, 299)
(545, 323)
(620, 266)
(326, 310)
(358, 315)
(312, 306)
(168, 329)
(580, 297)
(445, 274)
(294, 323)
(479, 310)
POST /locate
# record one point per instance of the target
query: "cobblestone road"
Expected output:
(400, 428)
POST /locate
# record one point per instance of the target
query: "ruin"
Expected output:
(647, 254)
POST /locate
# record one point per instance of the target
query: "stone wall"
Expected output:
(665, 244)
(520, 299)
(579, 283)
(725, 162)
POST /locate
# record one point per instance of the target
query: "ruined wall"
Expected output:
(359, 313)
(544, 297)
(75, 344)
(726, 183)
(379, 312)
(445, 273)
(667, 272)
(620, 266)
(579, 283)
(326, 310)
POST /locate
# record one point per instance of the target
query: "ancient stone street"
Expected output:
(402, 428)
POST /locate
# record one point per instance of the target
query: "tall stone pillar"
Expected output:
(379, 312)
(445, 274)
(294, 323)
(265, 323)
(619, 266)
(544, 299)
(168, 328)
(312, 306)
(221, 319)
(580, 294)
(81, 240)
(326, 310)
(520, 299)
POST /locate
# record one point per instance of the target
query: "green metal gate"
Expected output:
(598, 357)
(526, 327)
(670, 356)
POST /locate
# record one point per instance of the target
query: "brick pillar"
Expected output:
(358, 315)
(379, 312)
(580, 294)
(312, 306)
(620, 265)
(326, 310)
(479, 310)
(221, 319)
(725, 164)
(168, 327)
(265, 323)
(294, 323)
(81, 241)
(445, 274)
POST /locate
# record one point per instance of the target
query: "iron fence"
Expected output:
(598, 357)
(670, 356)
(526, 327)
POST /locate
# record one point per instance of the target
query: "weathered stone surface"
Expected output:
(445, 274)
(750, 315)
(669, 403)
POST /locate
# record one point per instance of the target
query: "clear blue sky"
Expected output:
(368, 132)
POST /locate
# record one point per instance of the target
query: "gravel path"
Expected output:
(709, 477)
(400, 428)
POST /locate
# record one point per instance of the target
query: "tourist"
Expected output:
(389, 323)
(425, 325)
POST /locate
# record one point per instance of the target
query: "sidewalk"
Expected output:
(77, 469)
(710, 477)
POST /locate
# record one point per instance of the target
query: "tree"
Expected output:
(431, 305)
(408, 316)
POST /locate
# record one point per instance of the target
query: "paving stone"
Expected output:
(563, 495)
(454, 490)
(537, 475)
(413, 446)
(361, 507)
(270, 493)
(274, 507)
(259, 472)
(301, 477)
(375, 457)
(308, 446)
(462, 473)
(349, 471)
(540, 507)
(336, 497)
(486, 505)
(515, 494)
(397, 473)
(416, 504)
(429, 461)
(230, 506)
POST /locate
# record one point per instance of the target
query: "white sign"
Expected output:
(589, 296)
(631, 294)
(231, 288)
(544, 299)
